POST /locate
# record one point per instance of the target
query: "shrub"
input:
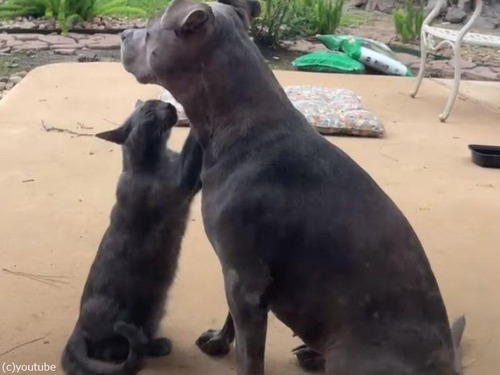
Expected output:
(281, 19)
(323, 16)
(408, 21)
(67, 12)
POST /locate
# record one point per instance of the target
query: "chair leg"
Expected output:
(423, 61)
(456, 81)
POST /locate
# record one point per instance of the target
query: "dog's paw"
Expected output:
(213, 343)
(160, 347)
(309, 359)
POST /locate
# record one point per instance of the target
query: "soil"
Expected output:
(21, 61)
(16, 62)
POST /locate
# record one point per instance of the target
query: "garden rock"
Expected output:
(407, 59)
(305, 46)
(13, 43)
(103, 41)
(27, 37)
(15, 79)
(31, 46)
(466, 64)
(56, 39)
(481, 73)
(430, 6)
(359, 3)
(65, 51)
(85, 58)
(488, 23)
(455, 15)
(66, 46)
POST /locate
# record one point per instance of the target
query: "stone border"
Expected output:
(6, 83)
(62, 45)
(98, 25)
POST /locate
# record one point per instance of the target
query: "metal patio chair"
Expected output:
(455, 39)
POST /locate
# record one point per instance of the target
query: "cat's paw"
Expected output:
(160, 347)
(213, 343)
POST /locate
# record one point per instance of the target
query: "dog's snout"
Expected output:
(126, 33)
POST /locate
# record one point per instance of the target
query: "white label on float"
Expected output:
(382, 63)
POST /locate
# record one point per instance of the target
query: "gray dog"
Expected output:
(124, 296)
(299, 228)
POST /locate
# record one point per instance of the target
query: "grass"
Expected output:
(356, 19)
(408, 21)
(151, 7)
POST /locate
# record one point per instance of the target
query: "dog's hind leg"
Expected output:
(309, 359)
(217, 342)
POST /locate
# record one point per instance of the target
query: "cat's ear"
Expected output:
(118, 135)
(138, 103)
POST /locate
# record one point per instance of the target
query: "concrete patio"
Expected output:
(58, 189)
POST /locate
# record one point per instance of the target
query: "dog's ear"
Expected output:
(138, 103)
(247, 10)
(195, 20)
(186, 16)
(255, 8)
(118, 135)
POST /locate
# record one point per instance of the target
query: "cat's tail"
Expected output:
(75, 357)
(457, 330)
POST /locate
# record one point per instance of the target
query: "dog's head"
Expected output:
(147, 128)
(178, 42)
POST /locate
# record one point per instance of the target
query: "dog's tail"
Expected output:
(457, 331)
(76, 357)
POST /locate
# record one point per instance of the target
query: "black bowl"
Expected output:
(486, 156)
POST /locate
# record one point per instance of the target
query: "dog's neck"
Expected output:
(236, 88)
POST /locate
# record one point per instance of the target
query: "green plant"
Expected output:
(323, 16)
(33, 8)
(151, 7)
(408, 21)
(282, 19)
(274, 21)
(67, 12)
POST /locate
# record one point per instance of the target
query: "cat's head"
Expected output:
(146, 129)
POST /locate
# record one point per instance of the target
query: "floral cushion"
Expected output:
(330, 111)
(335, 111)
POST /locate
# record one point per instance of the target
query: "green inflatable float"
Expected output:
(371, 53)
(328, 61)
(349, 54)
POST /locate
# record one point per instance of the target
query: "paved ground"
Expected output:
(58, 190)
(63, 45)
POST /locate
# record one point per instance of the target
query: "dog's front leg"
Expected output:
(246, 296)
(217, 342)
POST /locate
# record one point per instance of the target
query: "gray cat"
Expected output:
(124, 296)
